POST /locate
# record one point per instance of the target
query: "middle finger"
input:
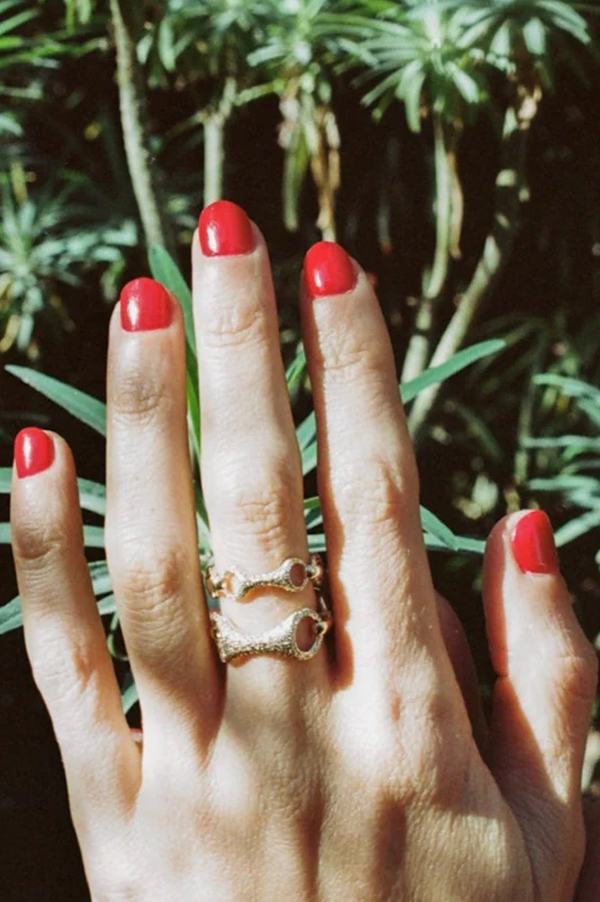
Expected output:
(251, 469)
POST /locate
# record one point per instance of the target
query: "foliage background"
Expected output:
(69, 199)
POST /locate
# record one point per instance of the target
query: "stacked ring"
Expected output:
(292, 575)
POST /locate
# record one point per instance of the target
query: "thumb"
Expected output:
(546, 680)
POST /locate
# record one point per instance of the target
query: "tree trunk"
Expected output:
(509, 187)
(132, 101)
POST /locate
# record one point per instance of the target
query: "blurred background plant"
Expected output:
(452, 147)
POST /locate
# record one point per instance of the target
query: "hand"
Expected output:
(353, 775)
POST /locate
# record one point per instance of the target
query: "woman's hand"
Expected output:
(352, 776)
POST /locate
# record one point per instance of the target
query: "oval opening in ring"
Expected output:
(306, 633)
(297, 575)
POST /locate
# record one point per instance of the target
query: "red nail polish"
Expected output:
(225, 230)
(145, 305)
(328, 270)
(34, 451)
(533, 544)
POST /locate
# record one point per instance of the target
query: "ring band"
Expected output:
(292, 575)
(281, 640)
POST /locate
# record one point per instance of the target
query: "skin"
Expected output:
(353, 776)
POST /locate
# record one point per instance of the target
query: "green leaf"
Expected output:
(101, 581)
(309, 459)
(577, 527)
(464, 545)
(11, 617)
(296, 371)
(16, 21)
(458, 362)
(466, 85)
(107, 605)
(85, 408)
(93, 536)
(564, 484)
(575, 388)
(534, 35)
(129, 694)
(501, 45)
(316, 542)
(307, 431)
(166, 44)
(92, 496)
(165, 270)
(576, 444)
(590, 409)
(438, 530)
(5, 480)
(313, 515)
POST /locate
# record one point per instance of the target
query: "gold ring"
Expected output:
(281, 640)
(292, 575)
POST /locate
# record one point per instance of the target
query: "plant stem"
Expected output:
(215, 120)
(214, 155)
(439, 272)
(419, 347)
(509, 187)
(325, 166)
(134, 122)
(527, 412)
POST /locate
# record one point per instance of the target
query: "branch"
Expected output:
(132, 102)
(497, 248)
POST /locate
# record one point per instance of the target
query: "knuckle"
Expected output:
(36, 543)
(373, 492)
(148, 578)
(234, 324)
(139, 395)
(577, 672)
(65, 670)
(259, 504)
(351, 354)
(434, 753)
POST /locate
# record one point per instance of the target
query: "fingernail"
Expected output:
(533, 544)
(328, 270)
(225, 230)
(145, 305)
(34, 451)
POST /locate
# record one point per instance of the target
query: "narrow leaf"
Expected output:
(458, 362)
(85, 408)
(165, 270)
(577, 527)
(434, 526)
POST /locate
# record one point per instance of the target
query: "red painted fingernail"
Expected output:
(328, 270)
(34, 451)
(145, 305)
(225, 230)
(533, 544)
